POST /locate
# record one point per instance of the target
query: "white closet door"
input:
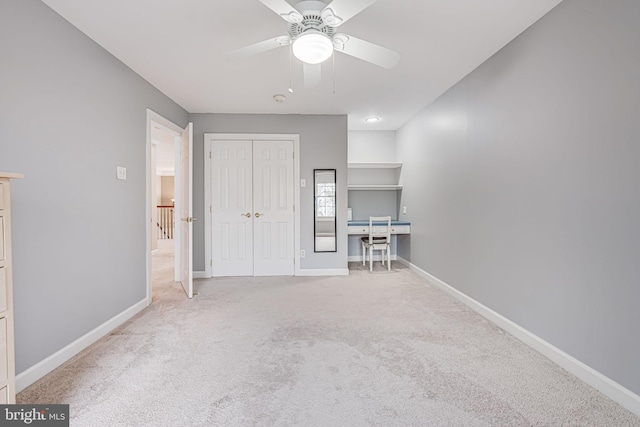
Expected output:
(232, 250)
(273, 201)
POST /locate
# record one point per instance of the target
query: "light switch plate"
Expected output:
(303, 182)
(121, 173)
(404, 209)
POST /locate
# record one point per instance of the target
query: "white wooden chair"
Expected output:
(379, 239)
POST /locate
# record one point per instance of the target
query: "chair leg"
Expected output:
(370, 258)
(364, 254)
(389, 258)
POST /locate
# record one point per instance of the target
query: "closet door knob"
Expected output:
(258, 215)
(248, 215)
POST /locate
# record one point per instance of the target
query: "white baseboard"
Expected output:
(323, 272)
(29, 376)
(200, 275)
(604, 384)
(408, 264)
(376, 257)
(301, 272)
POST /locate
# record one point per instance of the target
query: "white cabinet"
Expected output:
(7, 354)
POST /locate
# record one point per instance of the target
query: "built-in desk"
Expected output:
(362, 227)
(359, 228)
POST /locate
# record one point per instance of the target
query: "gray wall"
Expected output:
(521, 184)
(69, 114)
(372, 146)
(323, 145)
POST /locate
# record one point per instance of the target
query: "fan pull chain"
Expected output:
(333, 66)
(290, 62)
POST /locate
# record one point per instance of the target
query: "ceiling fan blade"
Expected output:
(263, 46)
(312, 74)
(284, 9)
(339, 11)
(366, 51)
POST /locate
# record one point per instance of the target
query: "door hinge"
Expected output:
(294, 154)
(210, 209)
(209, 154)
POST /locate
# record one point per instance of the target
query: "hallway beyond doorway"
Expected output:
(163, 272)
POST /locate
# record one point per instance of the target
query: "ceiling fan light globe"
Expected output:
(313, 47)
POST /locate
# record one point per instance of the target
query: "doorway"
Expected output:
(163, 194)
(253, 224)
(164, 200)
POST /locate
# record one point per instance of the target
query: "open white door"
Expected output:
(186, 210)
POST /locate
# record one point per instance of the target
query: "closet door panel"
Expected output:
(232, 170)
(273, 204)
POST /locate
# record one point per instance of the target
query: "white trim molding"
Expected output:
(595, 379)
(376, 257)
(42, 368)
(322, 272)
(201, 275)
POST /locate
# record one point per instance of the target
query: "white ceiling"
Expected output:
(180, 47)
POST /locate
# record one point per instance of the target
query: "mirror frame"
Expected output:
(315, 211)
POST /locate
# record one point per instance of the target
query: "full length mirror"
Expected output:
(324, 195)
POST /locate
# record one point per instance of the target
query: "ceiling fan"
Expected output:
(312, 34)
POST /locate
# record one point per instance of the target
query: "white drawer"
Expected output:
(401, 229)
(353, 229)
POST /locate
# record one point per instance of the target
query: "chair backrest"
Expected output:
(381, 231)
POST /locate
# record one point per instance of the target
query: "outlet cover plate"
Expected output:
(121, 172)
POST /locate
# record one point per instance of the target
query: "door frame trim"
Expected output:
(154, 119)
(208, 214)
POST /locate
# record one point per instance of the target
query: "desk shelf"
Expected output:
(391, 187)
(374, 176)
(376, 165)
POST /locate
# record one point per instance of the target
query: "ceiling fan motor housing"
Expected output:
(311, 10)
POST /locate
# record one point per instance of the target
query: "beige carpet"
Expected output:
(381, 349)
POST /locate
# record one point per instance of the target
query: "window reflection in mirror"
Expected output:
(324, 184)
